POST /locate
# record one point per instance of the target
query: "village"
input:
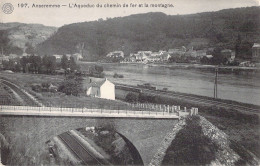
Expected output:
(208, 56)
(189, 55)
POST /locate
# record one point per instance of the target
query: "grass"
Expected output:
(59, 99)
(7, 97)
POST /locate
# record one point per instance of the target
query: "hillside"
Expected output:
(227, 28)
(18, 37)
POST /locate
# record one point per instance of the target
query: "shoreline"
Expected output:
(180, 65)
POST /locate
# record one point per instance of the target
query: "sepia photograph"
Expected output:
(130, 82)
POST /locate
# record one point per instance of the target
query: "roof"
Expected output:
(256, 45)
(226, 50)
(94, 82)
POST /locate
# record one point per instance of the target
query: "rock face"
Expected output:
(16, 38)
(195, 141)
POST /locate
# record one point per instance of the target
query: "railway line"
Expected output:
(200, 100)
(28, 101)
(79, 150)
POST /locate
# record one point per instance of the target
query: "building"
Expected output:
(209, 56)
(201, 53)
(116, 54)
(165, 56)
(77, 56)
(58, 57)
(99, 87)
(140, 57)
(177, 52)
(256, 53)
(227, 53)
(153, 59)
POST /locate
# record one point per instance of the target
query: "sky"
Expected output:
(68, 14)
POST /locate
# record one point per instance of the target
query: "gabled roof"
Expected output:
(256, 45)
(94, 82)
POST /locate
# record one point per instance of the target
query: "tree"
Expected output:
(36, 62)
(49, 63)
(72, 85)
(29, 49)
(72, 64)
(24, 62)
(64, 62)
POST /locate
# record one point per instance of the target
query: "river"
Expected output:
(242, 86)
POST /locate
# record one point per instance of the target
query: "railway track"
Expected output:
(28, 101)
(200, 100)
(79, 150)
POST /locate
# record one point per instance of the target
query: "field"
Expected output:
(59, 99)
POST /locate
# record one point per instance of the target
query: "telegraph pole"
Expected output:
(216, 83)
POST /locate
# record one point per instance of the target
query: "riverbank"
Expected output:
(237, 85)
(179, 65)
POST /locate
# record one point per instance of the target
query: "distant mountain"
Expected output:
(18, 37)
(230, 28)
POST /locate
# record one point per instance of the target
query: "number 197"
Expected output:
(22, 5)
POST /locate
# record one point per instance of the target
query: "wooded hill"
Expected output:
(235, 29)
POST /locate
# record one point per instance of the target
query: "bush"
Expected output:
(132, 97)
(72, 85)
(118, 76)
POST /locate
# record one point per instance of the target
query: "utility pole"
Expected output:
(216, 84)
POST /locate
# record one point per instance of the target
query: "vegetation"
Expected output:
(15, 38)
(118, 75)
(38, 64)
(72, 85)
(132, 97)
(191, 146)
(241, 127)
(157, 31)
(96, 71)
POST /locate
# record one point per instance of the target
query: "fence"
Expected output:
(138, 109)
(164, 108)
(60, 111)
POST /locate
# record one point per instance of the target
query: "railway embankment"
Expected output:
(212, 146)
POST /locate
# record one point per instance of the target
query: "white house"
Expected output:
(100, 88)
(116, 54)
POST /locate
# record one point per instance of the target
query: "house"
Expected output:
(177, 52)
(227, 53)
(4, 58)
(209, 56)
(99, 87)
(13, 56)
(141, 57)
(153, 58)
(256, 53)
(116, 54)
(155, 54)
(165, 56)
(162, 52)
(58, 57)
(201, 53)
(77, 57)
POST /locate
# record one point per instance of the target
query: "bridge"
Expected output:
(33, 126)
